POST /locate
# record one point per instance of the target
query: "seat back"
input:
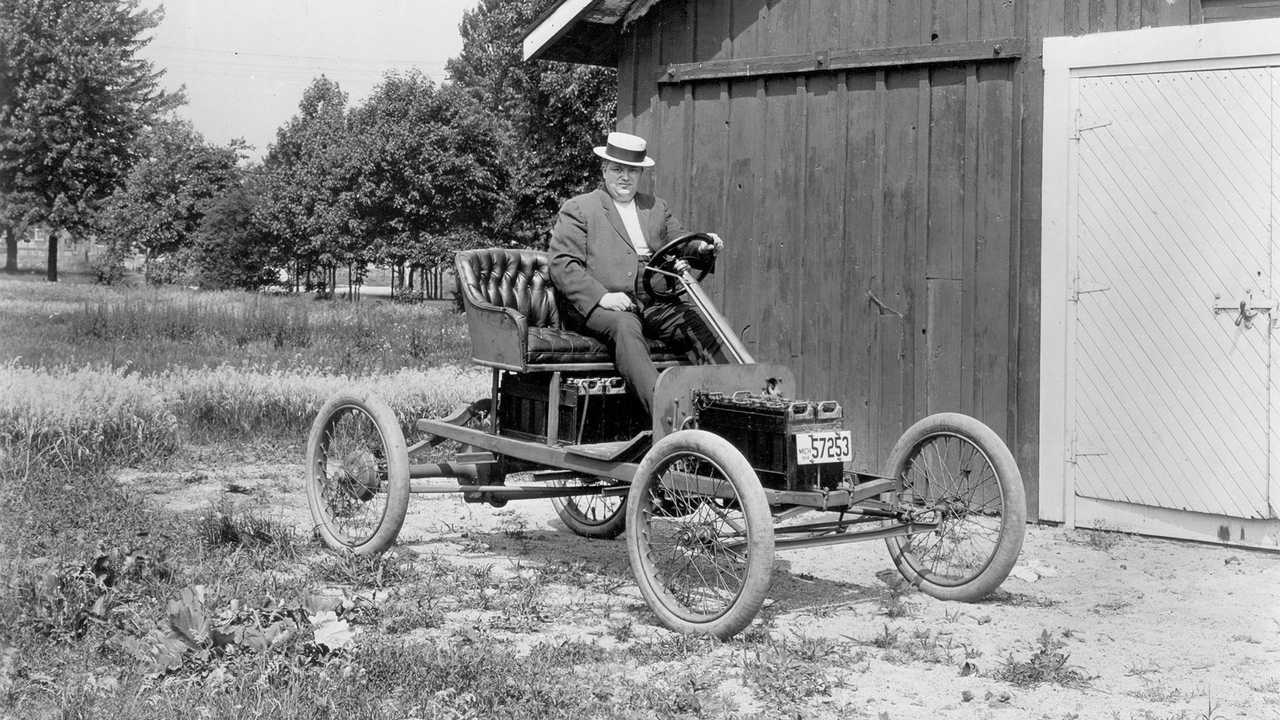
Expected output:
(510, 278)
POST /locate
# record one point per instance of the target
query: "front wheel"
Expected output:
(956, 472)
(357, 474)
(704, 569)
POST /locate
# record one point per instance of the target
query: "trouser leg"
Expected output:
(679, 324)
(623, 331)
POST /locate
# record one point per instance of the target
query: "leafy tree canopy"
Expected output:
(230, 249)
(74, 97)
(308, 186)
(166, 194)
(429, 175)
(549, 113)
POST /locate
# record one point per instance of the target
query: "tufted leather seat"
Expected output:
(514, 316)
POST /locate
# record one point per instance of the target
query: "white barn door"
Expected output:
(1166, 222)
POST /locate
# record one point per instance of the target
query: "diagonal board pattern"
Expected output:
(1174, 216)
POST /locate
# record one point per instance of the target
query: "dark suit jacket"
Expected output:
(591, 253)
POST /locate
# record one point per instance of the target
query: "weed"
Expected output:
(263, 538)
(1212, 713)
(791, 670)
(1142, 670)
(515, 526)
(1103, 536)
(1158, 693)
(1048, 664)
(886, 639)
(365, 571)
(1269, 685)
(623, 631)
(892, 604)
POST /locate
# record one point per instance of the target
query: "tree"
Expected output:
(427, 171)
(550, 113)
(74, 97)
(166, 194)
(231, 249)
(308, 187)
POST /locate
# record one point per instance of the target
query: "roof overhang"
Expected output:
(582, 31)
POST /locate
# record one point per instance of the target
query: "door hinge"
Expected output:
(1079, 290)
(1084, 124)
(1072, 456)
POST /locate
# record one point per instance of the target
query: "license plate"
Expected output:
(824, 447)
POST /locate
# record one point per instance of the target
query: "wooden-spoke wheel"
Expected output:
(957, 473)
(591, 516)
(357, 474)
(701, 534)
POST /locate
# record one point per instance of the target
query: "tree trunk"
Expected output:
(52, 274)
(11, 250)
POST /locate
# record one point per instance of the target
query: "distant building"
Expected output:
(33, 250)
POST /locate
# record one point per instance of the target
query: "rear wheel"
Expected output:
(357, 474)
(956, 472)
(592, 516)
(706, 568)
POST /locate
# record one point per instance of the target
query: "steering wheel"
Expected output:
(664, 257)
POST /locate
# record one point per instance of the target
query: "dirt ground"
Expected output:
(1156, 628)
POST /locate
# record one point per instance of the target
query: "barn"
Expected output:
(1054, 216)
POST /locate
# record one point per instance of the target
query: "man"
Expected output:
(600, 242)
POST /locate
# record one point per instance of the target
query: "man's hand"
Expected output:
(714, 247)
(620, 302)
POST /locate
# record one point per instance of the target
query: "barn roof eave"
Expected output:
(582, 31)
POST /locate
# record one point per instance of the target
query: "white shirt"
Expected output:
(631, 221)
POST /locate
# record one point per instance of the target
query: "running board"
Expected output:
(612, 451)
(537, 453)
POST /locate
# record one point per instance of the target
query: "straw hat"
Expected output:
(625, 149)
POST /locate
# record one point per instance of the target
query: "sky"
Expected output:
(245, 63)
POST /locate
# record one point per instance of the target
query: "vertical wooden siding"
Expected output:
(883, 225)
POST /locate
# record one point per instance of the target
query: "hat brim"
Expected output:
(603, 151)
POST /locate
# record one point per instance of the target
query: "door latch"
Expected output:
(1245, 313)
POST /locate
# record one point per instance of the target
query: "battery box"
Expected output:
(764, 429)
(590, 409)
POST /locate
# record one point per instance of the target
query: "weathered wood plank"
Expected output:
(1231, 10)
(969, 243)
(946, 154)
(741, 226)
(997, 18)
(993, 328)
(944, 365)
(901, 197)
(780, 224)
(1128, 14)
(785, 28)
(746, 27)
(999, 49)
(645, 90)
(711, 25)
(824, 276)
(903, 21)
(827, 24)
(856, 377)
(707, 168)
(627, 60)
(940, 344)
(917, 254)
(1165, 13)
(947, 21)
(670, 141)
(1102, 15)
